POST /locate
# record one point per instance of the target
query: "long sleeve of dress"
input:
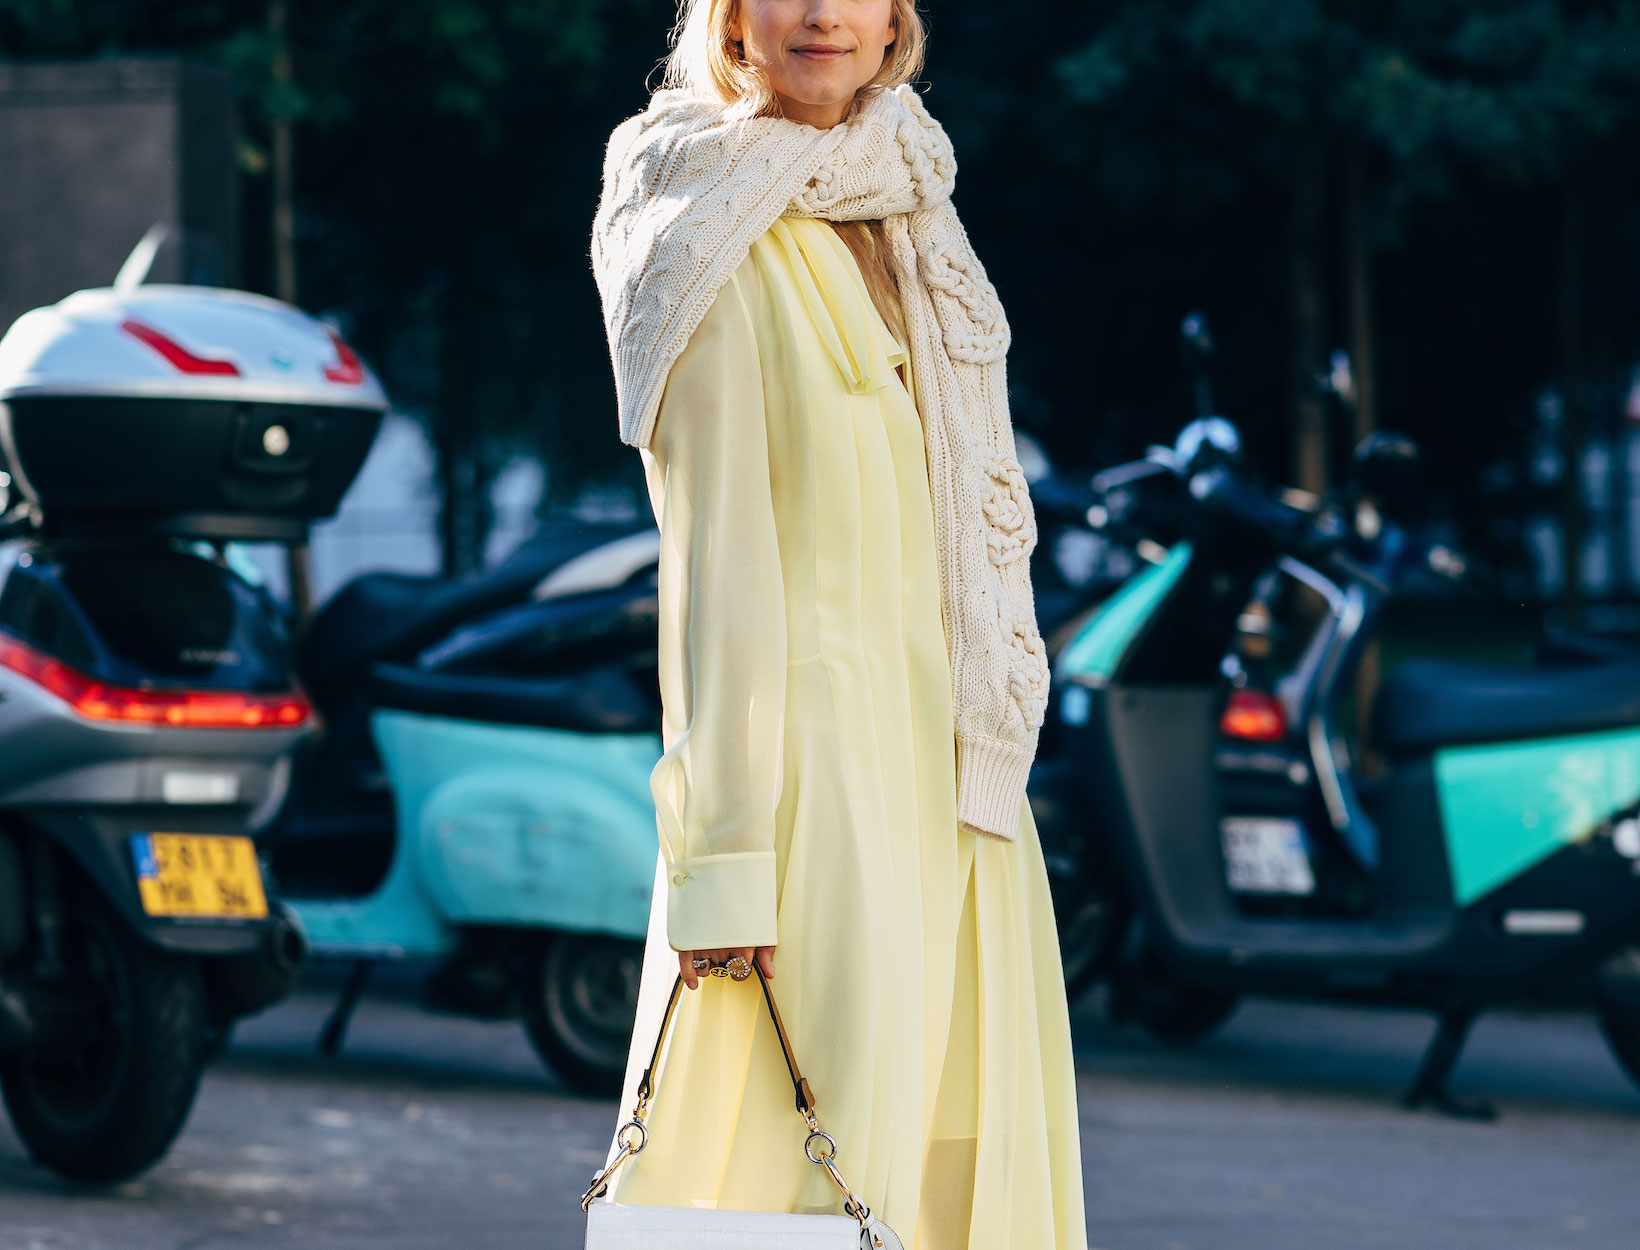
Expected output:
(722, 643)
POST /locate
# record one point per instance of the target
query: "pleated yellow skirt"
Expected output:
(917, 968)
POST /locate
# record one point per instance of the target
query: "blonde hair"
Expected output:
(706, 61)
(869, 243)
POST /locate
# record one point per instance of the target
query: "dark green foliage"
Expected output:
(448, 159)
(449, 176)
(1213, 116)
(449, 155)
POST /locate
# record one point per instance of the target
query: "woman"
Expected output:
(809, 359)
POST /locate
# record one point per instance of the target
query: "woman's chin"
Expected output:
(819, 87)
(817, 100)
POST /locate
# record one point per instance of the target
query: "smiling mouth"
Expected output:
(820, 52)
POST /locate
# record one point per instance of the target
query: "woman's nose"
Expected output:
(823, 15)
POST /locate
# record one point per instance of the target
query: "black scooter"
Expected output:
(148, 709)
(1501, 845)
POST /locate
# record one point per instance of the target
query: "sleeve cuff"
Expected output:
(991, 779)
(721, 900)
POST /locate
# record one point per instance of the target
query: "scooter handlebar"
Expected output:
(1322, 540)
(1220, 492)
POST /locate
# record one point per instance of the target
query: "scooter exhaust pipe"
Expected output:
(245, 984)
(288, 947)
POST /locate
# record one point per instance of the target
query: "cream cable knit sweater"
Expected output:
(686, 192)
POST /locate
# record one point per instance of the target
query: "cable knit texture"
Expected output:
(686, 192)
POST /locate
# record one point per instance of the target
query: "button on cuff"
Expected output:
(723, 900)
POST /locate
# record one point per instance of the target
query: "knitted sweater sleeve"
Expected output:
(722, 635)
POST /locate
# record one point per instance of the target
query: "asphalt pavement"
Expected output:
(1280, 1133)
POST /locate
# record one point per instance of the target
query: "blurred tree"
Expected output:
(1534, 92)
(452, 159)
(1376, 105)
(1404, 177)
(450, 155)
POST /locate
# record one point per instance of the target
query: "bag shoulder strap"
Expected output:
(634, 1133)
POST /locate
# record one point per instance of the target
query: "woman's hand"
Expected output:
(763, 956)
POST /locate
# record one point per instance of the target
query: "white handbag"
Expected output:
(615, 1225)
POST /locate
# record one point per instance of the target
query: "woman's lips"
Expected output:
(820, 52)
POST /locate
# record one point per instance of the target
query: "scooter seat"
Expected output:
(1426, 704)
(548, 639)
(392, 616)
(597, 700)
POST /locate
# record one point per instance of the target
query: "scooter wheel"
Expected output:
(579, 1000)
(1089, 910)
(218, 1037)
(109, 1105)
(1169, 1010)
(1618, 997)
(1622, 1029)
(1088, 935)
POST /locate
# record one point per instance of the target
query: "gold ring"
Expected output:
(738, 967)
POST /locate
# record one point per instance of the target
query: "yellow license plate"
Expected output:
(193, 874)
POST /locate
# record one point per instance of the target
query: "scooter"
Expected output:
(1502, 841)
(1100, 530)
(480, 794)
(147, 707)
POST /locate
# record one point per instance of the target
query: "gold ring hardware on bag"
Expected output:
(853, 1204)
(627, 1150)
(808, 1145)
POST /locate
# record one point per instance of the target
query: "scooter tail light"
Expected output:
(182, 709)
(180, 358)
(1254, 716)
(348, 369)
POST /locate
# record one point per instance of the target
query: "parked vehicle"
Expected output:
(480, 794)
(1494, 857)
(148, 712)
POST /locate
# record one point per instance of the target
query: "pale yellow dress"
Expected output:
(807, 796)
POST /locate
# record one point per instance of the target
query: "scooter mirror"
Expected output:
(1196, 346)
(1206, 441)
(1195, 336)
(1387, 465)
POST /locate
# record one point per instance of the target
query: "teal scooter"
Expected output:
(1499, 845)
(478, 797)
